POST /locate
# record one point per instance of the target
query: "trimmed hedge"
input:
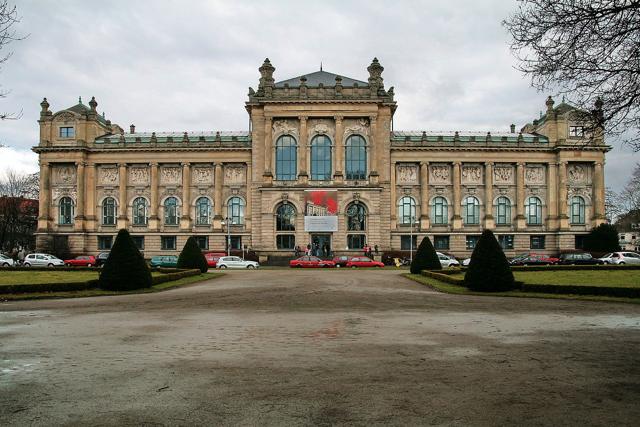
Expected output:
(573, 267)
(582, 290)
(425, 258)
(489, 270)
(443, 277)
(191, 256)
(125, 269)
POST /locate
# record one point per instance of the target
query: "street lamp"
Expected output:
(227, 221)
(411, 221)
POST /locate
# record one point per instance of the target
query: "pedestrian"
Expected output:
(376, 249)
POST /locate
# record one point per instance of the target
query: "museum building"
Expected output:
(320, 165)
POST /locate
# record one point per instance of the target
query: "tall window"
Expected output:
(65, 208)
(235, 211)
(140, 211)
(533, 208)
(503, 211)
(577, 210)
(407, 210)
(321, 158)
(356, 157)
(109, 211)
(471, 210)
(356, 217)
(171, 211)
(439, 211)
(285, 217)
(203, 211)
(286, 158)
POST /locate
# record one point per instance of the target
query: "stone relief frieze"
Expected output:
(440, 174)
(407, 174)
(472, 174)
(202, 175)
(580, 191)
(65, 191)
(534, 175)
(284, 127)
(360, 127)
(64, 174)
(64, 117)
(321, 127)
(108, 176)
(577, 173)
(170, 175)
(503, 174)
(139, 175)
(234, 174)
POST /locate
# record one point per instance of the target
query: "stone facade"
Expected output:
(540, 189)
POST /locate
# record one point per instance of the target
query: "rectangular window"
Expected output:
(67, 132)
(139, 241)
(236, 242)
(408, 242)
(355, 241)
(285, 241)
(536, 242)
(168, 243)
(576, 131)
(203, 242)
(506, 241)
(579, 241)
(472, 241)
(105, 242)
(441, 242)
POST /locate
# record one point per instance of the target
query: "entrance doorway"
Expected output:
(321, 245)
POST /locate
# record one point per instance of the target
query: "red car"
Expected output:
(535, 259)
(81, 261)
(363, 261)
(212, 258)
(311, 262)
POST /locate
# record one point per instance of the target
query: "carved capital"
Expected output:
(185, 164)
(338, 119)
(303, 119)
(153, 164)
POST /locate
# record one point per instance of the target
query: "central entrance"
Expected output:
(321, 244)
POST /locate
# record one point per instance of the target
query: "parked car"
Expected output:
(621, 258)
(308, 261)
(101, 258)
(169, 261)
(363, 261)
(81, 261)
(466, 262)
(235, 262)
(42, 260)
(579, 258)
(447, 261)
(5, 261)
(534, 259)
(213, 257)
(341, 261)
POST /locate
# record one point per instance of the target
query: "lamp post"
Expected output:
(227, 222)
(411, 220)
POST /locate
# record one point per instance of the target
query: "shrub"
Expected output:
(425, 258)
(125, 269)
(489, 270)
(192, 257)
(603, 238)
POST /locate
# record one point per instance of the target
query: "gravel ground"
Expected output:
(280, 347)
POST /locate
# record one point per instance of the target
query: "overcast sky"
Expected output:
(187, 65)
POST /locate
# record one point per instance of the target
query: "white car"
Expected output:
(621, 258)
(42, 260)
(5, 261)
(235, 262)
(447, 261)
(466, 262)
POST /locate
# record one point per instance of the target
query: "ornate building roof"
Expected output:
(320, 77)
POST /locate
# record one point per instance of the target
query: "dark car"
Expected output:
(341, 261)
(169, 261)
(101, 258)
(534, 259)
(579, 258)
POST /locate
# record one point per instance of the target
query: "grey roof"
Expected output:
(324, 77)
(203, 136)
(464, 136)
(80, 108)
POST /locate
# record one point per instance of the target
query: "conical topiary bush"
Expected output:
(192, 257)
(125, 268)
(425, 257)
(489, 270)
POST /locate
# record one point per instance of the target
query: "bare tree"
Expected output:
(8, 19)
(18, 209)
(588, 50)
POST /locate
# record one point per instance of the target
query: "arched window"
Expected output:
(285, 217)
(439, 211)
(286, 158)
(577, 210)
(356, 217)
(503, 211)
(533, 208)
(140, 211)
(356, 157)
(171, 211)
(321, 158)
(203, 211)
(235, 210)
(471, 210)
(109, 211)
(65, 208)
(407, 210)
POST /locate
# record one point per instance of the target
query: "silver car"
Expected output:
(42, 260)
(621, 258)
(235, 262)
(447, 261)
(5, 261)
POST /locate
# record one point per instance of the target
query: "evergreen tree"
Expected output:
(425, 257)
(603, 238)
(192, 257)
(125, 268)
(489, 270)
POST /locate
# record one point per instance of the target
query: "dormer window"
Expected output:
(576, 131)
(67, 132)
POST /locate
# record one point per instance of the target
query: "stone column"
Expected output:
(268, 150)
(598, 198)
(90, 202)
(424, 196)
(247, 209)
(521, 221)
(217, 196)
(489, 220)
(153, 211)
(338, 168)
(373, 144)
(457, 219)
(78, 224)
(45, 198)
(394, 203)
(123, 220)
(185, 219)
(303, 149)
(552, 188)
(562, 196)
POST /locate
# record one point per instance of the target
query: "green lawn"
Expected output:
(625, 278)
(8, 277)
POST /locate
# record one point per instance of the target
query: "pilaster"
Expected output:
(338, 166)
(90, 202)
(248, 200)
(489, 220)
(303, 149)
(598, 198)
(373, 144)
(562, 196)
(217, 196)
(185, 219)
(123, 220)
(268, 150)
(521, 221)
(78, 224)
(393, 206)
(424, 196)
(457, 219)
(153, 208)
(552, 188)
(45, 197)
